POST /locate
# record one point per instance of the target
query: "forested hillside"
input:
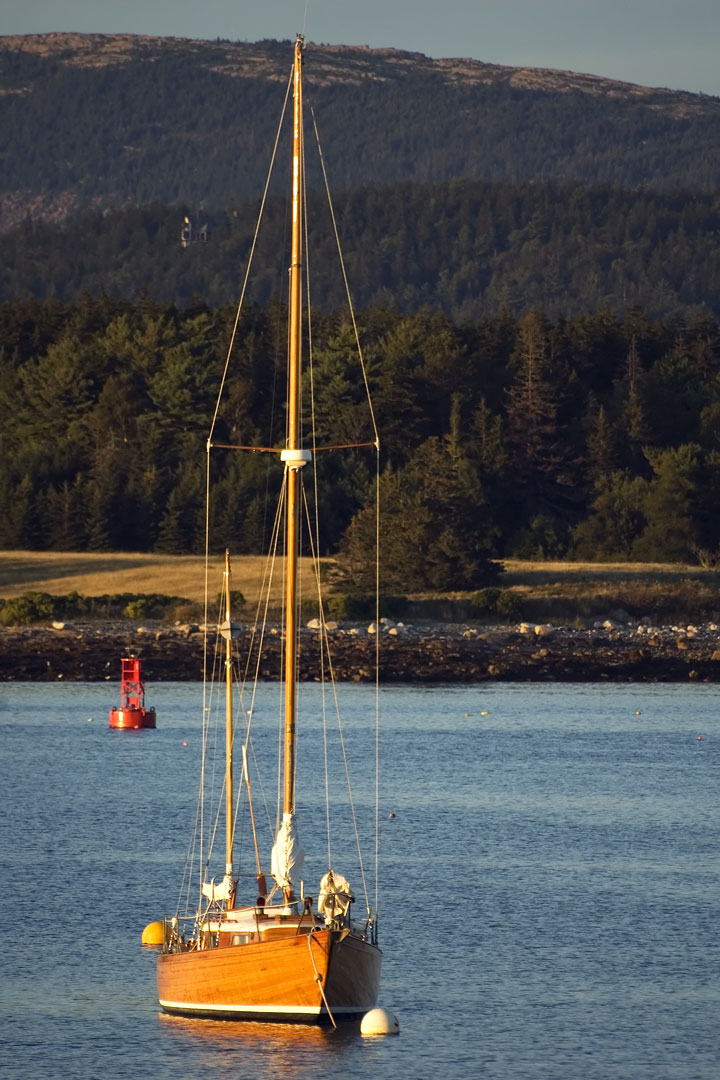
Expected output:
(594, 437)
(466, 249)
(460, 187)
(106, 120)
(534, 255)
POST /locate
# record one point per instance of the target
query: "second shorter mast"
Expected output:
(228, 631)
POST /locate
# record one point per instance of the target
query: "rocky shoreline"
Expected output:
(433, 653)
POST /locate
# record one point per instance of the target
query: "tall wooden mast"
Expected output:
(293, 456)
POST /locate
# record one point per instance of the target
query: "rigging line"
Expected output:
(264, 597)
(333, 684)
(244, 778)
(377, 545)
(212, 710)
(377, 458)
(345, 279)
(209, 694)
(255, 648)
(188, 870)
(250, 256)
(283, 649)
(377, 676)
(260, 638)
(213, 832)
(251, 746)
(255, 449)
(203, 752)
(195, 847)
(257, 639)
(318, 978)
(271, 421)
(214, 420)
(311, 372)
(316, 567)
(277, 450)
(194, 843)
(346, 446)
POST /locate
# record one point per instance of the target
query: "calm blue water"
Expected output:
(550, 887)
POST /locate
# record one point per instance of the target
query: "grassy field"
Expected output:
(661, 591)
(559, 590)
(59, 573)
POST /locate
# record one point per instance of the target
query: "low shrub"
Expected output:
(485, 599)
(508, 604)
(37, 607)
(30, 608)
(347, 606)
(502, 602)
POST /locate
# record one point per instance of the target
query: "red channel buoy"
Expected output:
(132, 713)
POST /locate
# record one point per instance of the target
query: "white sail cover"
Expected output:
(287, 854)
(222, 890)
(335, 896)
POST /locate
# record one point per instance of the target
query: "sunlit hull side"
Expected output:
(274, 980)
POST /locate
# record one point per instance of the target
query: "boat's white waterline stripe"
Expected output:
(276, 1010)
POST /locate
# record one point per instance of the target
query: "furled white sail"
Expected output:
(222, 890)
(287, 854)
(335, 896)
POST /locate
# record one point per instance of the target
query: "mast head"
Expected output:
(298, 57)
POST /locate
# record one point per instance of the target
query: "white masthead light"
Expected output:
(295, 459)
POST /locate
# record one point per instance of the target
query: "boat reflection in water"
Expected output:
(292, 1047)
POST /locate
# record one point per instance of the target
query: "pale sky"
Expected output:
(673, 43)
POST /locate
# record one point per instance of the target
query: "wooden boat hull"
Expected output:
(274, 980)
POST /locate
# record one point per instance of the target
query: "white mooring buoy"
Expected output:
(380, 1022)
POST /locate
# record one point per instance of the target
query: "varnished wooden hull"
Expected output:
(274, 980)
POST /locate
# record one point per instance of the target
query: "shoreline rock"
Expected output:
(433, 653)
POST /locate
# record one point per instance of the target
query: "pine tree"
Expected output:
(671, 534)
(489, 449)
(601, 448)
(616, 519)
(66, 519)
(532, 402)
(633, 421)
(434, 508)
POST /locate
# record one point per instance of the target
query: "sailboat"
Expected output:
(284, 956)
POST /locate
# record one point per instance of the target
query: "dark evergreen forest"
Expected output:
(535, 258)
(596, 437)
(466, 249)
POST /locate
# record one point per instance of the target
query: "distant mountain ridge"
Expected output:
(243, 59)
(105, 121)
